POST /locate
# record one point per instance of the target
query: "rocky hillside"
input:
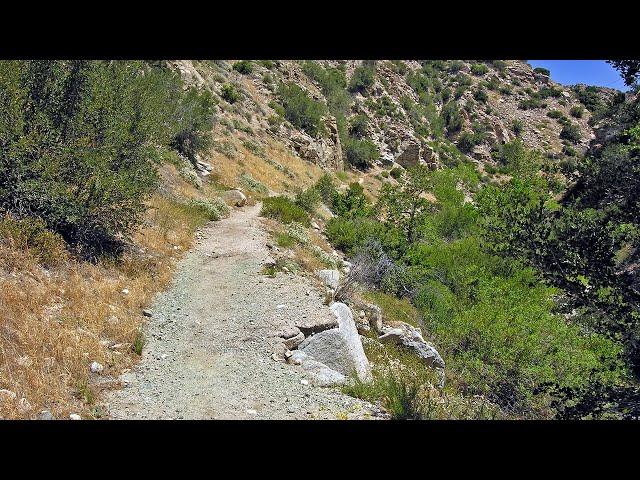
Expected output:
(438, 112)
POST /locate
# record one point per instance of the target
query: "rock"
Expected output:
(410, 337)
(75, 416)
(125, 291)
(410, 155)
(293, 342)
(319, 373)
(330, 278)
(311, 326)
(7, 395)
(96, 367)
(315, 226)
(147, 313)
(234, 198)
(24, 406)
(46, 415)
(340, 348)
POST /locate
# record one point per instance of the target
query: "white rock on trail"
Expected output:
(96, 367)
(330, 278)
(340, 348)
(235, 198)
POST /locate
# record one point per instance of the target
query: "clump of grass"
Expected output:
(285, 210)
(297, 231)
(285, 240)
(213, 209)
(32, 236)
(138, 343)
(252, 184)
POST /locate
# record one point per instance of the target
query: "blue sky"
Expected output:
(590, 72)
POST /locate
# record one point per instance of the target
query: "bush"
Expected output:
(543, 71)
(326, 188)
(301, 110)
(554, 114)
(452, 117)
(363, 77)
(396, 172)
(213, 209)
(358, 125)
(576, 111)
(230, 93)
(517, 126)
(479, 69)
(244, 67)
(196, 112)
(571, 132)
(31, 235)
(361, 153)
(80, 140)
(308, 199)
(285, 210)
(481, 95)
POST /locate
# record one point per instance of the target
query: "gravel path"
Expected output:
(209, 342)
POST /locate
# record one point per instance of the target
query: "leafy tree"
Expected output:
(301, 110)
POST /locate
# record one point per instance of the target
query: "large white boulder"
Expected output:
(234, 198)
(330, 278)
(340, 348)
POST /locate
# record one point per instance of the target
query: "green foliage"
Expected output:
(285, 210)
(301, 110)
(326, 188)
(214, 209)
(79, 141)
(362, 78)
(308, 199)
(352, 203)
(543, 71)
(517, 127)
(358, 125)
(243, 66)
(230, 93)
(360, 153)
(479, 69)
(576, 111)
(451, 117)
(571, 132)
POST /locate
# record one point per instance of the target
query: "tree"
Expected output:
(629, 70)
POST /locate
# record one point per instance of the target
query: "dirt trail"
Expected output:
(209, 342)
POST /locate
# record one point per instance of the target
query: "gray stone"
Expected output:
(235, 198)
(294, 341)
(147, 313)
(330, 278)
(340, 348)
(96, 367)
(310, 326)
(46, 415)
(319, 373)
(410, 337)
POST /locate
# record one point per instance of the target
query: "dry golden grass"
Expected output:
(294, 172)
(54, 323)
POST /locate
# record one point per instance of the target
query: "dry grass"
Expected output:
(278, 169)
(55, 322)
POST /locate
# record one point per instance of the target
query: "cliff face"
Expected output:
(407, 105)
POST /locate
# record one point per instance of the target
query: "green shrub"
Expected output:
(481, 95)
(253, 184)
(452, 117)
(362, 78)
(80, 140)
(479, 69)
(230, 93)
(577, 111)
(301, 110)
(517, 126)
(244, 67)
(571, 132)
(396, 172)
(543, 71)
(554, 114)
(213, 209)
(326, 188)
(361, 153)
(358, 125)
(308, 199)
(285, 210)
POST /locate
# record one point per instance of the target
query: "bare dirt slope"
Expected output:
(209, 342)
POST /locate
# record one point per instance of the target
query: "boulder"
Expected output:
(293, 342)
(311, 326)
(319, 374)
(234, 198)
(410, 337)
(410, 155)
(330, 278)
(340, 348)
(46, 415)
